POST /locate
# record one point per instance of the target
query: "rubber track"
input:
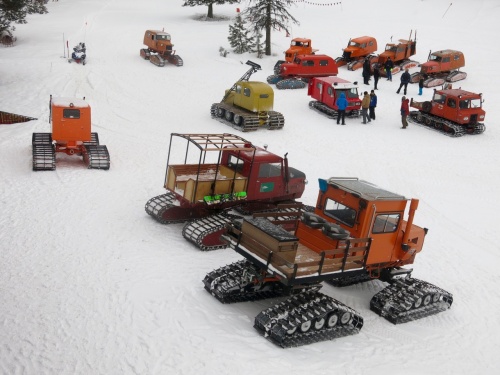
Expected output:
(227, 284)
(195, 231)
(251, 121)
(156, 206)
(281, 323)
(405, 300)
(458, 130)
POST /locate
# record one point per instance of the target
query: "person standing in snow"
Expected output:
(421, 84)
(365, 105)
(405, 80)
(405, 111)
(376, 75)
(373, 104)
(388, 68)
(341, 107)
(366, 72)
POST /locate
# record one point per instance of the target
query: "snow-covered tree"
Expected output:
(15, 11)
(238, 36)
(270, 15)
(209, 3)
(258, 47)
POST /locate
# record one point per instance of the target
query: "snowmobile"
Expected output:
(79, 54)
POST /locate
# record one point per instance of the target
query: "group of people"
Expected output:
(369, 101)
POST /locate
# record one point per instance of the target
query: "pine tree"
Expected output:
(270, 15)
(15, 11)
(258, 47)
(238, 36)
(209, 3)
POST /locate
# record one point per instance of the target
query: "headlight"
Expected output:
(481, 117)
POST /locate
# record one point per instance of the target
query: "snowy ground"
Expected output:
(90, 284)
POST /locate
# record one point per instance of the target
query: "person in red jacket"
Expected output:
(405, 111)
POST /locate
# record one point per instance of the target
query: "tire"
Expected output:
(221, 112)
(332, 320)
(426, 300)
(417, 303)
(426, 107)
(345, 318)
(238, 120)
(305, 327)
(419, 117)
(428, 121)
(229, 116)
(319, 323)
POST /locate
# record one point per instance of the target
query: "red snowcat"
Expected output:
(326, 90)
(220, 172)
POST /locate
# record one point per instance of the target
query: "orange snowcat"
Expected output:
(357, 50)
(71, 134)
(356, 233)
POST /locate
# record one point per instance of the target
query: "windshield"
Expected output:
(353, 44)
(435, 58)
(340, 212)
(295, 43)
(162, 37)
(470, 103)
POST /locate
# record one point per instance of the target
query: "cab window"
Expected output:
(340, 212)
(71, 113)
(270, 170)
(235, 163)
(386, 223)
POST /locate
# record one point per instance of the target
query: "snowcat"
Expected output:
(71, 134)
(399, 53)
(326, 90)
(296, 74)
(356, 233)
(159, 49)
(454, 112)
(220, 172)
(441, 66)
(357, 50)
(298, 46)
(248, 105)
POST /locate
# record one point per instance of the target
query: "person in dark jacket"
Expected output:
(373, 104)
(389, 64)
(366, 72)
(405, 80)
(421, 84)
(405, 111)
(376, 75)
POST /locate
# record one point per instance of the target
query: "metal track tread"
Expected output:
(290, 84)
(41, 139)
(329, 112)
(233, 283)
(197, 230)
(410, 299)
(156, 206)
(444, 126)
(307, 318)
(249, 121)
(94, 140)
(97, 156)
(44, 157)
